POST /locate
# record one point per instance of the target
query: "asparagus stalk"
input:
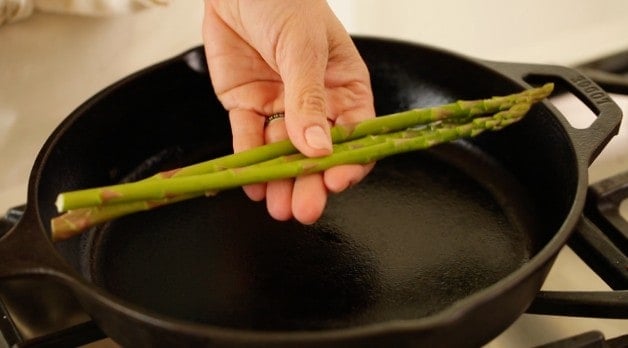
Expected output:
(77, 220)
(229, 178)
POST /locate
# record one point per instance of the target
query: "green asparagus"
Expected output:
(361, 143)
(234, 177)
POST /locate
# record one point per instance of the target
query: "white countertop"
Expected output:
(50, 64)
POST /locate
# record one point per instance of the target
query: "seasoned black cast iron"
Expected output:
(441, 247)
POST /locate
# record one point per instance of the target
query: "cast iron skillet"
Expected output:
(441, 247)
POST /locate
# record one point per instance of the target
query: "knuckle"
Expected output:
(312, 100)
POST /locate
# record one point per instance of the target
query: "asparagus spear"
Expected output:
(77, 220)
(229, 178)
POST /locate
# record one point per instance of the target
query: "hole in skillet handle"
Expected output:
(575, 111)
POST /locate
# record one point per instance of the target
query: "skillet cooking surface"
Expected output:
(422, 231)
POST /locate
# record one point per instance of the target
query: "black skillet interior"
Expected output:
(421, 232)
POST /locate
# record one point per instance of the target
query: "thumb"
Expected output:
(302, 70)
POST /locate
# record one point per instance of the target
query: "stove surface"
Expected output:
(43, 61)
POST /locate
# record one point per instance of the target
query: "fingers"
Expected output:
(278, 192)
(340, 178)
(247, 128)
(309, 197)
(303, 198)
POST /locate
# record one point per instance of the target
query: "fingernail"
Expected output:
(317, 138)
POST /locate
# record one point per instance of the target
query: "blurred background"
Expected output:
(51, 61)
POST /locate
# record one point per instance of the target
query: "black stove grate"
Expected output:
(610, 72)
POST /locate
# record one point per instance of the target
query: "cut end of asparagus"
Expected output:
(60, 203)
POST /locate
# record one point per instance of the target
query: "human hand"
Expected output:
(293, 56)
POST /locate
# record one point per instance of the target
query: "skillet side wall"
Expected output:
(402, 77)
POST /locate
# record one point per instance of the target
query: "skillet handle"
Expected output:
(589, 141)
(24, 250)
(601, 241)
